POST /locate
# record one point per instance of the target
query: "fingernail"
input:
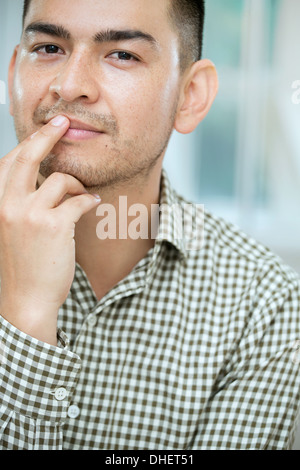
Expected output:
(96, 196)
(59, 121)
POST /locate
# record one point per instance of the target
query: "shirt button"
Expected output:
(73, 411)
(60, 393)
(92, 320)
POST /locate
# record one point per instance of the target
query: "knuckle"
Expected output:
(77, 201)
(23, 158)
(37, 222)
(32, 218)
(57, 178)
(3, 163)
(83, 202)
(67, 182)
(6, 215)
(44, 132)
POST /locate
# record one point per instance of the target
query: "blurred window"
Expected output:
(243, 160)
(239, 39)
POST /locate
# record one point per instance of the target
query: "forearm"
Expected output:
(37, 227)
(31, 410)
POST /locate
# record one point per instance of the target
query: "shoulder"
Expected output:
(231, 244)
(232, 256)
(219, 255)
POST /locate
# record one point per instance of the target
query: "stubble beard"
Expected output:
(130, 167)
(126, 161)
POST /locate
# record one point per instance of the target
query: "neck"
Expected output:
(113, 239)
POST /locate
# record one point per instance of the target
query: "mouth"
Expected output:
(81, 131)
(74, 133)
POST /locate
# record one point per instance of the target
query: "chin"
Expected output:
(90, 177)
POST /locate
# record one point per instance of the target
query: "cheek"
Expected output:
(26, 97)
(27, 90)
(18, 91)
(18, 96)
(161, 96)
(145, 106)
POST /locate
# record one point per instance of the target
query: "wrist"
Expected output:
(37, 322)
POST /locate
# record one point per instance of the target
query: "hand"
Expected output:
(37, 247)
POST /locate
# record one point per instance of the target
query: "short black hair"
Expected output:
(25, 9)
(188, 18)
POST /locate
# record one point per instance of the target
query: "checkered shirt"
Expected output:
(197, 348)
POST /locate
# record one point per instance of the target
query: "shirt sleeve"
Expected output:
(36, 384)
(256, 397)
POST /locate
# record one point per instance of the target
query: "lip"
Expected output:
(79, 130)
(80, 134)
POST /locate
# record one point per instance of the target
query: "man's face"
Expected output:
(112, 67)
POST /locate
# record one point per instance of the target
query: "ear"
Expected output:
(11, 72)
(200, 87)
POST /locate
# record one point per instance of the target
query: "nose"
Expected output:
(76, 80)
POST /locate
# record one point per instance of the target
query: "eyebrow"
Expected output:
(49, 29)
(109, 35)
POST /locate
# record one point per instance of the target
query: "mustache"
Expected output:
(104, 122)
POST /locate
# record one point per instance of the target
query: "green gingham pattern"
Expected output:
(195, 349)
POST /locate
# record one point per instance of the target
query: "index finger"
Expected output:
(24, 170)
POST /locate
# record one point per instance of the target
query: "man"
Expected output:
(129, 342)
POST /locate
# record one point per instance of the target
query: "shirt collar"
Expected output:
(171, 217)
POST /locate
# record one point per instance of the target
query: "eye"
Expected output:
(51, 49)
(123, 56)
(48, 49)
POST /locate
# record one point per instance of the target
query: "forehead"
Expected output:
(92, 15)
